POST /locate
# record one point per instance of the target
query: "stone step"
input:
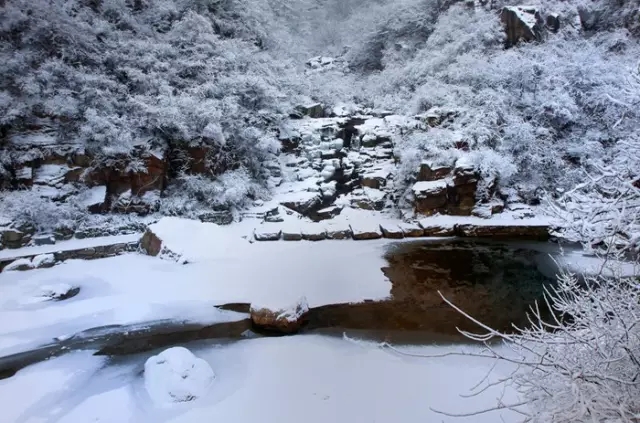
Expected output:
(87, 249)
(426, 228)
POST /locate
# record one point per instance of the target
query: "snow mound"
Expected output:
(176, 375)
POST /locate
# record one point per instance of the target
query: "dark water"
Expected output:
(495, 282)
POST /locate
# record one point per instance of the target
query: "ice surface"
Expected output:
(323, 379)
(223, 268)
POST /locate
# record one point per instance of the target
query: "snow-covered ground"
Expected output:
(135, 288)
(306, 378)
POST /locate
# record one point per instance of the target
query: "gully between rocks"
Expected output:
(494, 282)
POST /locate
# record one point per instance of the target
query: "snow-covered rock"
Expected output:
(365, 230)
(391, 230)
(411, 230)
(176, 375)
(43, 260)
(20, 264)
(338, 230)
(59, 291)
(287, 319)
(314, 232)
(267, 232)
(522, 23)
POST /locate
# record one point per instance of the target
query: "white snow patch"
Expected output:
(50, 174)
(19, 264)
(176, 375)
(43, 260)
(93, 196)
(429, 187)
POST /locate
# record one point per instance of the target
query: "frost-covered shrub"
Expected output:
(232, 190)
(582, 364)
(44, 215)
(114, 75)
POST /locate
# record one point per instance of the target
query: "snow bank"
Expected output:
(193, 240)
(176, 375)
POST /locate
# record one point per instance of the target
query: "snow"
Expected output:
(43, 260)
(20, 264)
(429, 187)
(307, 378)
(223, 268)
(93, 196)
(55, 290)
(50, 174)
(72, 244)
(176, 375)
(291, 312)
(502, 219)
(527, 14)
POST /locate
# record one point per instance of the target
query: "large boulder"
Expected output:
(282, 320)
(176, 375)
(430, 196)
(151, 243)
(522, 23)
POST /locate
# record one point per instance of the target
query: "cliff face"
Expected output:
(113, 113)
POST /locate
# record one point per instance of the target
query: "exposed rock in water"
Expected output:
(285, 320)
(365, 230)
(59, 292)
(391, 231)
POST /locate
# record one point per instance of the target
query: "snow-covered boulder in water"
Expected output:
(285, 320)
(58, 292)
(176, 375)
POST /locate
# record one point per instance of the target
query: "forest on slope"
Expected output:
(554, 120)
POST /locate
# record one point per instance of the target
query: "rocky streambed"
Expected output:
(495, 282)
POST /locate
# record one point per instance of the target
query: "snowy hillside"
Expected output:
(114, 112)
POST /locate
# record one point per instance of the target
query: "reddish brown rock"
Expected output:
(412, 230)
(391, 231)
(151, 179)
(339, 231)
(430, 196)
(365, 230)
(432, 173)
(150, 243)
(286, 320)
(435, 230)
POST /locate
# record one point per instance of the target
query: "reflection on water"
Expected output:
(494, 282)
